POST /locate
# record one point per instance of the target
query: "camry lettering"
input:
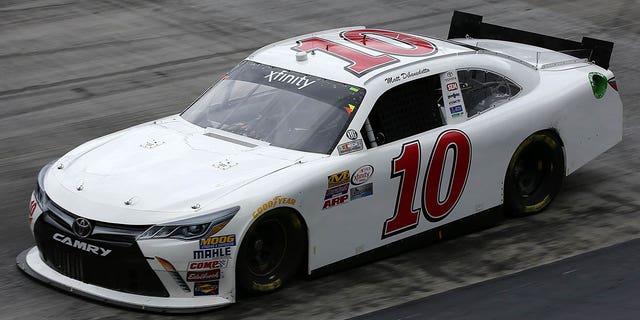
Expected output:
(81, 245)
(283, 76)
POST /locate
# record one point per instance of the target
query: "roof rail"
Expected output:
(465, 25)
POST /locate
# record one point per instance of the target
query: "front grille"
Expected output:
(123, 268)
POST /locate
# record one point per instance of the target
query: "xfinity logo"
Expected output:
(81, 245)
(283, 76)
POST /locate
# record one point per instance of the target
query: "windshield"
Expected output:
(284, 108)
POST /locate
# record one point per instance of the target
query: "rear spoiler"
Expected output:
(470, 25)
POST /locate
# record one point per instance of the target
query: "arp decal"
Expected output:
(435, 206)
(212, 253)
(218, 242)
(276, 201)
(208, 265)
(362, 191)
(361, 175)
(359, 62)
(193, 276)
(209, 288)
(337, 179)
(335, 201)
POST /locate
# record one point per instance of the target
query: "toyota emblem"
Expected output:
(82, 227)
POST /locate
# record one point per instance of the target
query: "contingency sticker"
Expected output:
(362, 191)
(452, 97)
(351, 146)
(218, 242)
(338, 189)
(209, 288)
(361, 175)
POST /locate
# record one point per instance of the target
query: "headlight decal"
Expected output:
(191, 228)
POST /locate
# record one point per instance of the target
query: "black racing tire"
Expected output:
(535, 174)
(271, 252)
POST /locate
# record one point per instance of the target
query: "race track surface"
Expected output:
(71, 71)
(601, 284)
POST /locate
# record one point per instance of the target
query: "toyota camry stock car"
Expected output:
(318, 150)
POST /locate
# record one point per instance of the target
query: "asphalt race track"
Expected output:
(71, 71)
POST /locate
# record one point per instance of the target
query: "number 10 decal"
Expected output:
(437, 200)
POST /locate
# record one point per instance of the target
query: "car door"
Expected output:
(409, 179)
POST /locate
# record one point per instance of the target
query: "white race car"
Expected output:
(320, 150)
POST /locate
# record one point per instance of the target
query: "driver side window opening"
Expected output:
(482, 90)
(405, 110)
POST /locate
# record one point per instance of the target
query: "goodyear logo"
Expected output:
(218, 242)
(339, 178)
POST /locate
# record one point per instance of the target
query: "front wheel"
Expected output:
(270, 253)
(534, 175)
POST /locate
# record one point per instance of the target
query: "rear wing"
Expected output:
(465, 25)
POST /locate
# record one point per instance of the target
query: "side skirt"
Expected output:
(479, 221)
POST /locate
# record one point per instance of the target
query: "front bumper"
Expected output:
(30, 262)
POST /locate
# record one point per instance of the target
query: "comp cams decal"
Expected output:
(208, 265)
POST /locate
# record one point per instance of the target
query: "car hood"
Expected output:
(161, 167)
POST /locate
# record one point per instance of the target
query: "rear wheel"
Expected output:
(270, 253)
(534, 175)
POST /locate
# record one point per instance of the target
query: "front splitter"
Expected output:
(29, 262)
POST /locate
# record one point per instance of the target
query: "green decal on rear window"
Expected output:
(598, 84)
